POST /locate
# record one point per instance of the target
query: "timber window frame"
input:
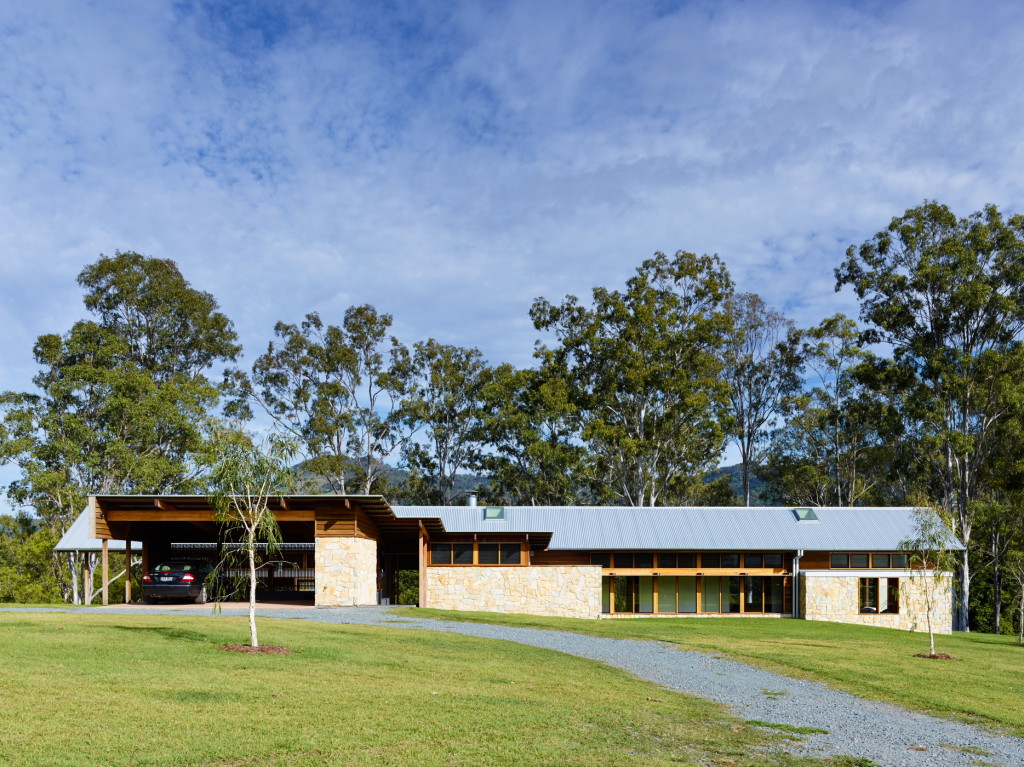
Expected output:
(878, 596)
(456, 554)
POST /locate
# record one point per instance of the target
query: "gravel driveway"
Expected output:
(886, 734)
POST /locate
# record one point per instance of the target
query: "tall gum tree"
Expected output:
(338, 391)
(644, 370)
(762, 362)
(122, 402)
(948, 294)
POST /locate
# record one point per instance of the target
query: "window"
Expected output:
(899, 560)
(858, 561)
(805, 515)
(643, 560)
(879, 595)
(462, 553)
(880, 561)
(667, 562)
(840, 560)
(605, 559)
(623, 560)
(710, 561)
(753, 560)
(476, 553)
(773, 560)
(688, 561)
(730, 560)
(494, 513)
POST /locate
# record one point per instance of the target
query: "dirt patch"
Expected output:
(263, 649)
(936, 656)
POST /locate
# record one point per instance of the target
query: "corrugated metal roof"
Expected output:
(77, 538)
(770, 528)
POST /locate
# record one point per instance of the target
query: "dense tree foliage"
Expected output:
(122, 402)
(632, 398)
(643, 368)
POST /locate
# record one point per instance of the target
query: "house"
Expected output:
(833, 564)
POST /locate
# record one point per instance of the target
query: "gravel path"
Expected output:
(888, 735)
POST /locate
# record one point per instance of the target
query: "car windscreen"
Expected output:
(167, 567)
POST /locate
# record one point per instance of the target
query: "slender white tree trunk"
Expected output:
(252, 593)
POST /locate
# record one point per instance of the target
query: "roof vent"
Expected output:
(492, 513)
(805, 515)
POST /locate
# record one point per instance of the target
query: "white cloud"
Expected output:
(449, 167)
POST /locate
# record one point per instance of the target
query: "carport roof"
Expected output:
(77, 538)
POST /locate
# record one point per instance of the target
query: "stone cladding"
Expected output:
(836, 598)
(346, 572)
(567, 591)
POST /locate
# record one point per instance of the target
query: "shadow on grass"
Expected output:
(167, 632)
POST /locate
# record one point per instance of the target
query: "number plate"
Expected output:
(167, 578)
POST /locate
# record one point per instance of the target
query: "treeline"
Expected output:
(634, 394)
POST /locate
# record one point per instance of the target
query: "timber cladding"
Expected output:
(352, 522)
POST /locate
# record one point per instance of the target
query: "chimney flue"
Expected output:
(471, 498)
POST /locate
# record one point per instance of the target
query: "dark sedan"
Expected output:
(177, 579)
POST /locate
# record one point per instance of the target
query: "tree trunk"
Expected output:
(252, 593)
(964, 596)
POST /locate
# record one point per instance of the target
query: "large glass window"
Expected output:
(773, 560)
(645, 560)
(858, 561)
(899, 560)
(710, 594)
(666, 593)
(774, 594)
(666, 561)
(511, 554)
(645, 594)
(462, 553)
(753, 594)
(606, 595)
(687, 594)
(732, 603)
(605, 560)
(753, 560)
(624, 599)
(623, 560)
(869, 595)
(687, 561)
(840, 560)
(487, 554)
(880, 560)
(710, 561)
(440, 553)
(730, 560)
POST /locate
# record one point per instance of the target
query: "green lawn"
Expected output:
(91, 689)
(985, 686)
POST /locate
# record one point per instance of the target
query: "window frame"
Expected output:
(523, 560)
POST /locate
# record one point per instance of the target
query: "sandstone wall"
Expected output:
(568, 591)
(346, 572)
(836, 598)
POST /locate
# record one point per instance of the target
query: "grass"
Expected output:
(790, 728)
(985, 686)
(115, 690)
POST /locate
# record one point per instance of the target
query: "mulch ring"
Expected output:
(936, 656)
(263, 649)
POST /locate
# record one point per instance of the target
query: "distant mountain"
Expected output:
(758, 487)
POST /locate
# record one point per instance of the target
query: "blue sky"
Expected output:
(451, 162)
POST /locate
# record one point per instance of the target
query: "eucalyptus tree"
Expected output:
(244, 479)
(947, 294)
(762, 365)
(122, 401)
(644, 367)
(339, 391)
(535, 457)
(446, 406)
(829, 450)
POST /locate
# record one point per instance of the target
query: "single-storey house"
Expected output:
(832, 564)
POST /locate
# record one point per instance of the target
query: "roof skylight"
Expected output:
(805, 515)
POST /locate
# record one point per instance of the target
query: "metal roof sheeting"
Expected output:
(77, 538)
(770, 528)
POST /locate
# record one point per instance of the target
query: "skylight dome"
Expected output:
(805, 515)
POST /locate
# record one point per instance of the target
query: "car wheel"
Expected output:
(201, 599)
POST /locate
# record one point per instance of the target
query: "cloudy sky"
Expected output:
(449, 163)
